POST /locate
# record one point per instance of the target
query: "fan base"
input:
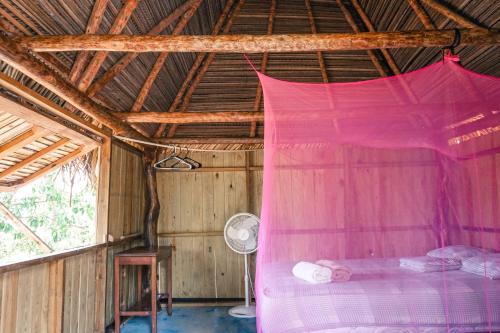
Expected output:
(242, 311)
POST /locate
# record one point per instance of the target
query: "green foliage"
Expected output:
(60, 209)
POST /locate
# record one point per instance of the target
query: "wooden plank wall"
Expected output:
(55, 296)
(195, 206)
(126, 214)
(194, 209)
(474, 196)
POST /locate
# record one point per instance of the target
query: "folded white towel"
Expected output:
(430, 264)
(484, 265)
(312, 273)
(340, 273)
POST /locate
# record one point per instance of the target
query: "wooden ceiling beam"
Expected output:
(119, 24)
(160, 61)
(124, 61)
(260, 43)
(17, 57)
(35, 156)
(422, 14)
(203, 69)
(263, 65)
(190, 117)
(452, 14)
(93, 24)
(209, 141)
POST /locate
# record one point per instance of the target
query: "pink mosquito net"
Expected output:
(368, 175)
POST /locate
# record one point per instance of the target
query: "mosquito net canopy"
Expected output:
(376, 177)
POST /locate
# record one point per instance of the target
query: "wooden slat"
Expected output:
(56, 296)
(260, 43)
(92, 27)
(39, 154)
(203, 69)
(23, 228)
(119, 24)
(121, 64)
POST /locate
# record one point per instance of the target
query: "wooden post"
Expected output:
(152, 200)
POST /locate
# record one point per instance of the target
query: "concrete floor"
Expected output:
(192, 320)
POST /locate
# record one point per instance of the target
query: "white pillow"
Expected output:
(456, 252)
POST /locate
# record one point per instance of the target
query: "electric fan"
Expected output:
(240, 234)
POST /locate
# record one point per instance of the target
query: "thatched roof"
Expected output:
(226, 82)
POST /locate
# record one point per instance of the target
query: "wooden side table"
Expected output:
(141, 256)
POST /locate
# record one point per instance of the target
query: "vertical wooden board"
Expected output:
(24, 310)
(197, 203)
(229, 191)
(89, 296)
(207, 199)
(56, 296)
(37, 301)
(9, 306)
(188, 267)
(68, 291)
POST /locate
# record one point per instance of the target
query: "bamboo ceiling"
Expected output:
(190, 82)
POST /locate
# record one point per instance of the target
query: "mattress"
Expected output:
(380, 297)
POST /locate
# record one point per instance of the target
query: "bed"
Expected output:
(381, 297)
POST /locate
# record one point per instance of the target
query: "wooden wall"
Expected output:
(194, 209)
(58, 295)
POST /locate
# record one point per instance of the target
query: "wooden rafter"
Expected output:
(35, 156)
(263, 66)
(63, 160)
(369, 25)
(160, 61)
(422, 14)
(203, 69)
(452, 14)
(92, 26)
(350, 19)
(118, 25)
(17, 57)
(260, 43)
(20, 141)
(124, 61)
(16, 87)
(190, 117)
(23, 228)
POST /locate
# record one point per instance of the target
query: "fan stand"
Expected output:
(247, 310)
